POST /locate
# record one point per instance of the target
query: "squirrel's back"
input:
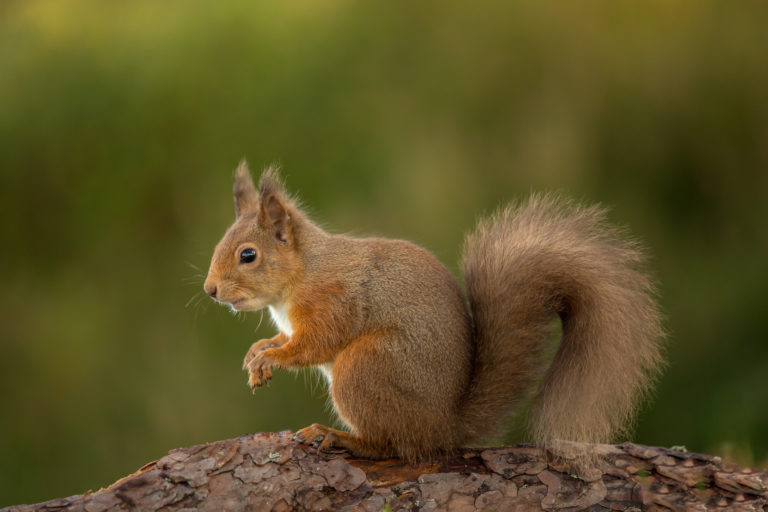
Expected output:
(399, 286)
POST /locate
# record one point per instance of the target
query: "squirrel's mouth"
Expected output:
(238, 305)
(245, 304)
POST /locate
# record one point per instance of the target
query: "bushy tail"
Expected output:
(549, 257)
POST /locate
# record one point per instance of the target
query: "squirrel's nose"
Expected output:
(210, 289)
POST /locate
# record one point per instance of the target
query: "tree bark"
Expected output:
(271, 472)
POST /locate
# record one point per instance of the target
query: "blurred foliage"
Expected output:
(121, 124)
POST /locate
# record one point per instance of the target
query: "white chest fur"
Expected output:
(326, 370)
(280, 318)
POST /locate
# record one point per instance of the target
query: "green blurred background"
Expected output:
(121, 124)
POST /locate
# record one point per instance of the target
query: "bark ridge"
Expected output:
(269, 471)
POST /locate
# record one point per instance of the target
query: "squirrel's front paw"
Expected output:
(260, 368)
(255, 349)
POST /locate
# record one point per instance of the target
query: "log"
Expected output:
(269, 471)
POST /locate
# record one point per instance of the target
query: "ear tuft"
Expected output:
(274, 204)
(270, 183)
(244, 192)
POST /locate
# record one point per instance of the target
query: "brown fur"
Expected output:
(550, 257)
(410, 373)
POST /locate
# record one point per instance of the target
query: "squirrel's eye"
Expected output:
(248, 256)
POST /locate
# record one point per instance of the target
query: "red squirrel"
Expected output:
(415, 367)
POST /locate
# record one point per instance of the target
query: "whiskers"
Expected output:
(195, 300)
(197, 278)
(199, 297)
(261, 319)
(239, 315)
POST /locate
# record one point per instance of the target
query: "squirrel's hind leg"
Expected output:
(331, 439)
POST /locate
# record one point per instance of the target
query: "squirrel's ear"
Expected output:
(274, 213)
(246, 198)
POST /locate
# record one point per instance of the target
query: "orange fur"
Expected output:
(411, 371)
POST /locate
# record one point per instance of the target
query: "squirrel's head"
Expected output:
(257, 259)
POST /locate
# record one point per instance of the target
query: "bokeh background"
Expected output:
(121, 124)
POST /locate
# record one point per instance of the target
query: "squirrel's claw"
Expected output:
(256, 349)
(260, 369)
(321, 437)
(310, 435)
